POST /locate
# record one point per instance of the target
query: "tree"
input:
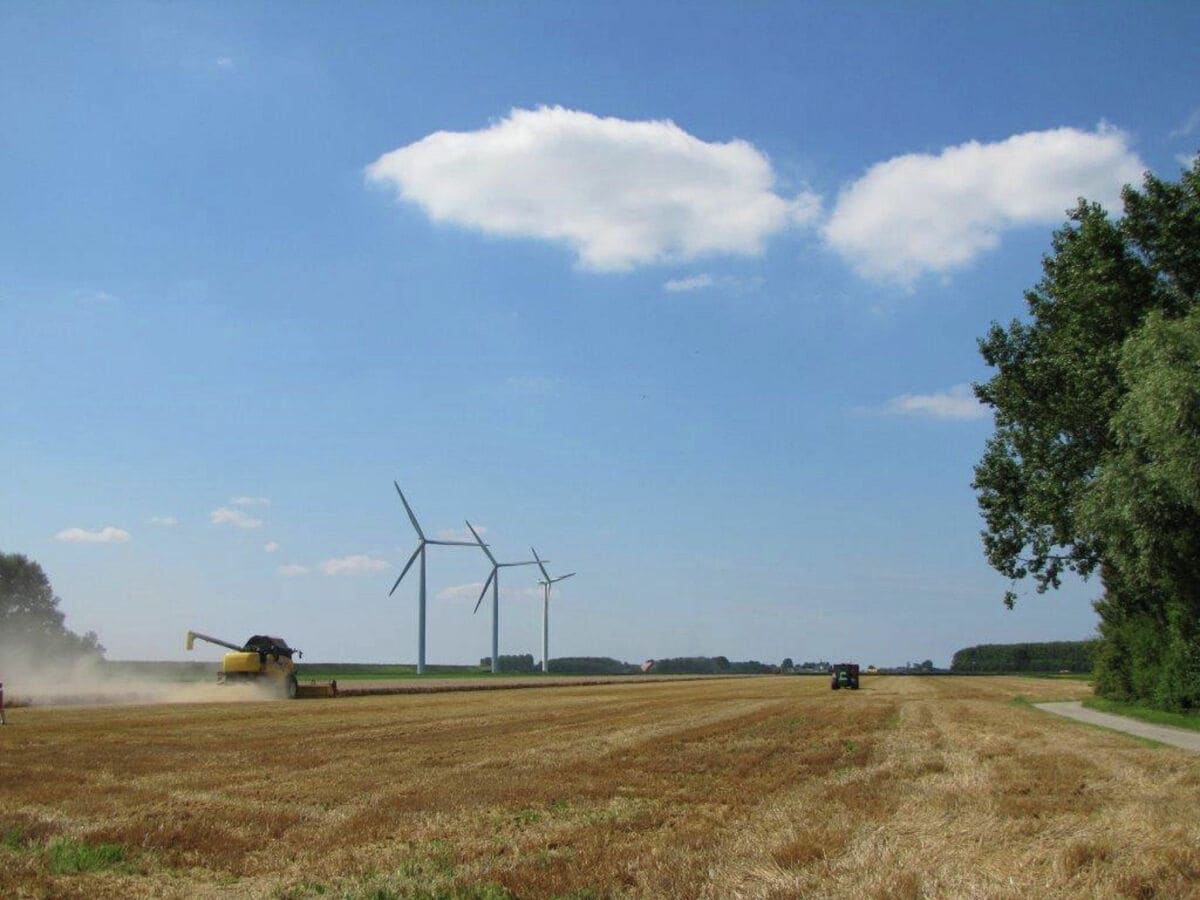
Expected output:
(1146, 501)
(1059, 480)
(29, 613)
(787, 665)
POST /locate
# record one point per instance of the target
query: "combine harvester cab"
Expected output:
(263, 659)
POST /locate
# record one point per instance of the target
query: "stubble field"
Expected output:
(748, 787)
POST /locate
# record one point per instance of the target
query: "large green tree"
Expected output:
(29, 615)
(1146, 502)
(1086, 395)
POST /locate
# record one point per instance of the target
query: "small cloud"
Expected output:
(1187, 160)
(251, 501)
(694, 283)
(461, 534)
(224, 63)
(271, 546)
(234, 517)
(729, 284)
(359, 564)
(292, 570)
(957, 402)
(469, 593)
(532, 385)
(164, 521)
(95, 298)
(107, 535)
(461, 593)
(1189, 125)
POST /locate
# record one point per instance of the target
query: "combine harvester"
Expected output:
(263, 660)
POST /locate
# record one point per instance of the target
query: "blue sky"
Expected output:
(679, 294)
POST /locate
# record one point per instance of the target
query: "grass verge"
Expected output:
(1190, 721)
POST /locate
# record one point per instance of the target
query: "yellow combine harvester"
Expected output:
(262, 659)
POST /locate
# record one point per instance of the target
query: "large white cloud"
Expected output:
(921, 213)
(107, 535)
(621, 193)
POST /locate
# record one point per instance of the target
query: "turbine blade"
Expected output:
(483, 593)
(404, 571)
(528, 562)
(408, 509)
(540, 562)
(479, 541)
(564, 577)
(454, 543)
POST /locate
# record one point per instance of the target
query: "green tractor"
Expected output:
(844, 675)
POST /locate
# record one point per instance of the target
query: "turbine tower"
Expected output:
(494, 581)
(422, 543)
(546, 607)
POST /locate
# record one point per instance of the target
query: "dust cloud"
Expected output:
(33, 679)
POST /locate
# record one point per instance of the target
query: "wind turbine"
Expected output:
(546, 607)
(422, 543)
(494, 581)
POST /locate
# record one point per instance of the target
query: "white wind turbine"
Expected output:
(422, 543)
(546, 606)
(494, 581)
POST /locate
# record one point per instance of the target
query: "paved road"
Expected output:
(1166, 734)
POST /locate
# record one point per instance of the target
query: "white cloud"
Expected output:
(234, 517)
(271, 546)
(921, 213)
(620, 193)
(532, 385)
(693, 283)
(726, 284)
(1186, 160)
(165, 521)
(461, 534)
(224, 62)
(98, 298)
(1188, 126)
(353, 565)
(106, 535)
(460, 593)
(469, 593)
(957, 402)
(292, 570)
(251, 501)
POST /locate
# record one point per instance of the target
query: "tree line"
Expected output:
(1048, 656)
(1093, 466)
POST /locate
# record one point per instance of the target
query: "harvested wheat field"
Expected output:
(750, 787)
